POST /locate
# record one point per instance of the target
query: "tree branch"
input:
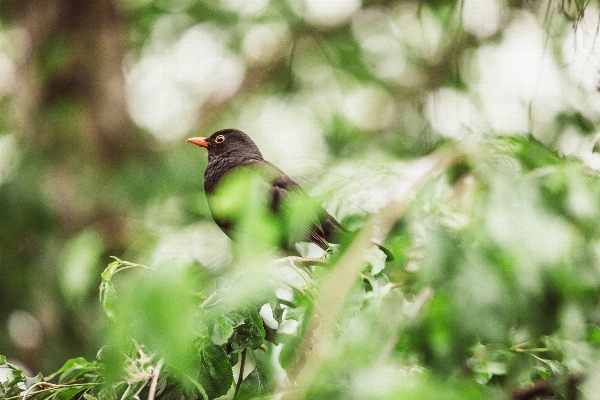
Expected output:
(322, 325)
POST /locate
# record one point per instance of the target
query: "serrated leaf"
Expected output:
(254, 385)
(15, 376)
(233, 357)
(188, 389)
(215, 375)
(251, 333)
(554, 366)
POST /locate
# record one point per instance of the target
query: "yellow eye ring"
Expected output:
(219, 139)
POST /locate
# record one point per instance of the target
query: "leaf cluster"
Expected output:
(494, 294)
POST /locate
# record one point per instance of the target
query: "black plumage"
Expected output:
(230, 149)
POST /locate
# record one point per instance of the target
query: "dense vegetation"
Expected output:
(461, 134)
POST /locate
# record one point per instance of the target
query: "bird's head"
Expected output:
(231, 143)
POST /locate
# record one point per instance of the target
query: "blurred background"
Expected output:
(98, 97)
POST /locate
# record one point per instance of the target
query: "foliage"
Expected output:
(466, 130)
(496, 295)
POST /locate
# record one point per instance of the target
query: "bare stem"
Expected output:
(301, 260)
(155, 376)
(241, 374)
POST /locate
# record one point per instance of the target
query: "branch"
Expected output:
(156, 373)
(301, 260)
(241, 374)
(322, 324)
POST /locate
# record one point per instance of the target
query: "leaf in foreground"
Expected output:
(215, 376)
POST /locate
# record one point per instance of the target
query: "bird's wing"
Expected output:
(281, 187)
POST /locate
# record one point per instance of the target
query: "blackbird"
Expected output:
(231, 149)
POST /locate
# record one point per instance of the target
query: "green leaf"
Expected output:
(594, 335)
(242, 199)
(251, 333)
(159, 311)
(254, 385)
(67, 393)
(77, 272)
(117, 266)
(107, 289)
(234, 319)
(487, 362)
(218, 327)
(288, 353)
(32, 380)
(376, 259)
(577, 120)
(73, 369)
(277, 310)
(108, 297)
(297, 313)
(215, 375)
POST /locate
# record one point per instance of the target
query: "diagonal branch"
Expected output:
(332, 295)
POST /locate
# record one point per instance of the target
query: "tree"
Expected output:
(461, 133)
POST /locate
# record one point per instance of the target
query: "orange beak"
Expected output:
(200, 141)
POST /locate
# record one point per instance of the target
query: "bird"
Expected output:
(233, 150)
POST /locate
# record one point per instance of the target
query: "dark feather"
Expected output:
(237, 150)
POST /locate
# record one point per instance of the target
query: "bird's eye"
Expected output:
(219, 139)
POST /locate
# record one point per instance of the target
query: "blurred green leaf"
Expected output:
(79, 266)
(502, 248)
(219, 330)
(74, 369)
(488, 363)
(242, 201)
(577, 120)
(107, 289)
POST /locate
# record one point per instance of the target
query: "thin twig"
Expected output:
(302, 260)
(518, 348)
(126, 392)
(302, 274)
(137, 394)
(156, 374)
(52, 386)
(31, 387)
(420, 300)
(241, 374)
(208, 299)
